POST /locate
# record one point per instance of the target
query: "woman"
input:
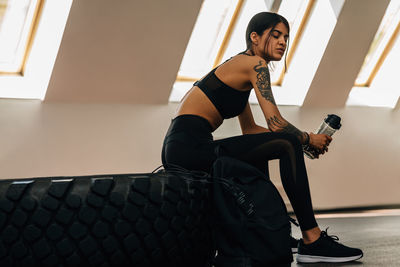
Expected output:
(223, 93)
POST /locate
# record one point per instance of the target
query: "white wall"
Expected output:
(46, 139)
(53, 139)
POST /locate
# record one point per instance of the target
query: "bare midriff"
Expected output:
(233, 73)
(197, 103)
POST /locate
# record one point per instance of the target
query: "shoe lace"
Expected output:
(333, 238)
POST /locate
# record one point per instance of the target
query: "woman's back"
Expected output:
(228, 96)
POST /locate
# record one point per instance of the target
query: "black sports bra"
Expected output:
(229, 102)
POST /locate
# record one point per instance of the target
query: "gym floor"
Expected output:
(376, 232)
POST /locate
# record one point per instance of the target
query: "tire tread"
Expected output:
(105, 220)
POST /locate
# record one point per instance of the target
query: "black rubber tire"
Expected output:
(155, 219)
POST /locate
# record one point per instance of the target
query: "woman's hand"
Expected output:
(320, 142)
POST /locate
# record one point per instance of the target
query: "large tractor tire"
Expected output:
(154, 219)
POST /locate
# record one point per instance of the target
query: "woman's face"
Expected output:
(273, 42)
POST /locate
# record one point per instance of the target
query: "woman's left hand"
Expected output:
(320, 142)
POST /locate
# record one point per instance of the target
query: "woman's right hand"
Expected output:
(320, 142)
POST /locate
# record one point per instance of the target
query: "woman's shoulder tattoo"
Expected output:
(263, 82)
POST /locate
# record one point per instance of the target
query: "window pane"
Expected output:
(388, 25)
(207, 35)
(15, 24)
(237, 43)
(209, 32)
(293, 11)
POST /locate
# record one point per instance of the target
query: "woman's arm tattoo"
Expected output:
(277, 125)
(274, 123)
(263, 82)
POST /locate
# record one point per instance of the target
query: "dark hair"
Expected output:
(262, 21)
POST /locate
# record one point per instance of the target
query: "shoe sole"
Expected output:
(313, 259)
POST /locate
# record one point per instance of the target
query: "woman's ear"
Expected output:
(254, 37)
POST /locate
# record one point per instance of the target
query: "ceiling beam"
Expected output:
(273, 5)
(354, 32)
(122, 52)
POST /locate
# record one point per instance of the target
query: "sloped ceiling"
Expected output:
(130, 51)
(121, 51)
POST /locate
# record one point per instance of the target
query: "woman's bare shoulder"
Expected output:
(247, 62)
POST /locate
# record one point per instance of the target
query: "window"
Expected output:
(381, 45)
(219, 33)
(376, 83)
(30, 36)
(17, 21)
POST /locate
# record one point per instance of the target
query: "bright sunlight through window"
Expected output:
(382, 43)
(16, 23)
(376, 84)
(30, 36)
(219, 33)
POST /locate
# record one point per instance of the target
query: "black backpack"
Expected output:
(250, 220)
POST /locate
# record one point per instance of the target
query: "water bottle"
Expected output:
(328, 126)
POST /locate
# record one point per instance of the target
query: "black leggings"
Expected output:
(189, 144)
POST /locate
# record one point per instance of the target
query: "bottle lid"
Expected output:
(333, 121)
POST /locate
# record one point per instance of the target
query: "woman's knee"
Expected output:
(290, 140)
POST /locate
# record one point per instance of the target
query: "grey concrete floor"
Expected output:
(376, 233)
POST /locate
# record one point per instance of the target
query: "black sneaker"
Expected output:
(326, 249)
(293, 244)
